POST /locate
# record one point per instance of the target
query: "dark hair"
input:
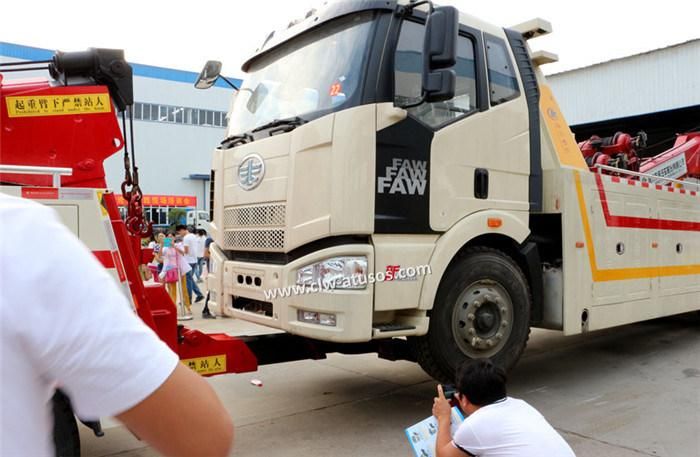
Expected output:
(191, 229)
(481, 382)
(202, 232)
(180, 227)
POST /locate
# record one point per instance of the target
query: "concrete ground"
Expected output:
(630, 391)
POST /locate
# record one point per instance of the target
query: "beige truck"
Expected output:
(376, 137)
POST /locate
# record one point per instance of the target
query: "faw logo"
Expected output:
(405, 177)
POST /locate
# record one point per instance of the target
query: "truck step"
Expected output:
(392, 327)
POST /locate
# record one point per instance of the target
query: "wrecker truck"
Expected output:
(370, 138)
(376, 136)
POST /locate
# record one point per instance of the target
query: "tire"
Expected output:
(66, 438)
(482, 310)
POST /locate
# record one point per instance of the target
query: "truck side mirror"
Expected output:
(440, 54)
(210, 73)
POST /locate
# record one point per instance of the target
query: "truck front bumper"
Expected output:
(254, 292)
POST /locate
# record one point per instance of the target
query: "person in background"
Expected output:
(174, 273)
(78, 330)
(201, 239)
(183, 268)
(156, 264)
(189, 242)
(146, 271)
(496, 425)
(168, 274)
(206, 313)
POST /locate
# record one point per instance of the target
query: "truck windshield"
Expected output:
(315, 73)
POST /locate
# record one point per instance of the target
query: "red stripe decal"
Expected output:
(120, 267)
(40, 193)
(105, 258)
(640, 222)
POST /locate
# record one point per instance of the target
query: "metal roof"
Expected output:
(657, 80)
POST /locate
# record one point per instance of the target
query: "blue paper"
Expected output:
(422, 435)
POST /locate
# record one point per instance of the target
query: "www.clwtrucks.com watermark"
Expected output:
(359, 281)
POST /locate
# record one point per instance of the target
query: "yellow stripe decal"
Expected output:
(559, 131)
(619, 274)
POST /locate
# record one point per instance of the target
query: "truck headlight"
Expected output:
(335, 273)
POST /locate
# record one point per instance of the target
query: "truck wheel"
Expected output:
(482, 310)
(66, 438)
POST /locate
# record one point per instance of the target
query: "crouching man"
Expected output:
(496, 425)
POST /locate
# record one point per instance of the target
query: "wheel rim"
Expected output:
(482, 319)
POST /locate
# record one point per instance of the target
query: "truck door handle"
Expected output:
(481, 183)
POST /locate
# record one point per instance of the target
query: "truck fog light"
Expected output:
(307, 316)
(312, 317)
(347, 272)
(326, 319)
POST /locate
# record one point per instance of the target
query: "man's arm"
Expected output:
(183, 417)
(81, 333)
(443, 412)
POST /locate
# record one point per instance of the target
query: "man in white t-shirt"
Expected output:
(78, 332)
(189, 241)
(201, 240)
(496, 425)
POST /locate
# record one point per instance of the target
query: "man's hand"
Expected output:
(443, 412)
(441, 407)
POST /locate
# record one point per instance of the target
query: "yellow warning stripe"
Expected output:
(559, 132)
(619, 274)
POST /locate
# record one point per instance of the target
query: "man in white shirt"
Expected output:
(78, 332)
(496, 425)
(201, 240)
(189, 241)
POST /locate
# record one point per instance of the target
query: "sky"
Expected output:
(184, 35)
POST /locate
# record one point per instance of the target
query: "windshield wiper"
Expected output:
(287, 125)
(235, 140)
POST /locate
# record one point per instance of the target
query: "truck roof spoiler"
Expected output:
(544, 57)
(533, 28)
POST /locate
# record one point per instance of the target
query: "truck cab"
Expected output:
(376, 137)
(198, 219)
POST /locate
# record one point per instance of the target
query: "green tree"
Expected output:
(176, 216)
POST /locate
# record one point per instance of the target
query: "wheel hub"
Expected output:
(485, 320)
(482, 319)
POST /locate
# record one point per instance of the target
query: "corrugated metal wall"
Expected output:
(659, 80)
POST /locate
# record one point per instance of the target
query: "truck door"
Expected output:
(482, 161)
(473, 148)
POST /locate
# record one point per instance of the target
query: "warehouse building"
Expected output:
(657, 92)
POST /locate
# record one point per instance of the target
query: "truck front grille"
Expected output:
(255, 216)
(255, 227)
(254, 240)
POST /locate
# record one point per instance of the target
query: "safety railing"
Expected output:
(645, 177)
(54, 172)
